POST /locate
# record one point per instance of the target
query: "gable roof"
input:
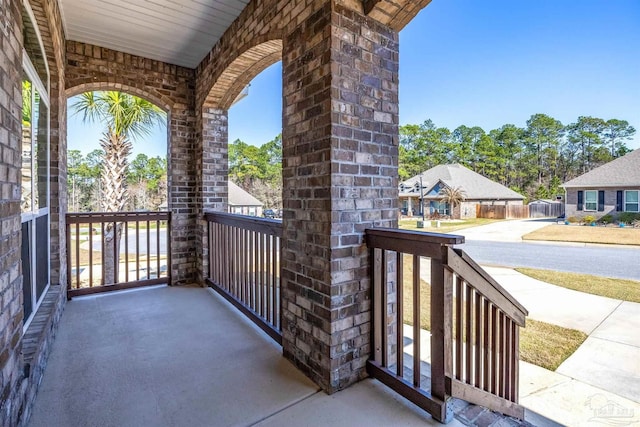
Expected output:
(621, 172)
(475, 186)
(239, 197)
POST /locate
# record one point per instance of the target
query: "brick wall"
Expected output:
(340, 142)
(212, 165)
(10, 161)
(172, 88)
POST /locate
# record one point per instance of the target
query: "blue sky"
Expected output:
(484, 63)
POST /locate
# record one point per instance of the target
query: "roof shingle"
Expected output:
(621, 172)
(475, 186)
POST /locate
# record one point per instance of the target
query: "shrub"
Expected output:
(628, 217)
(573, 219)
(589, 219)
(606, 219)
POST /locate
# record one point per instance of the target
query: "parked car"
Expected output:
(269, 213)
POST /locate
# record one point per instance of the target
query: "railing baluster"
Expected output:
(384, 265)
(78, 256)
(478, 344)
(261, 282)
(515, 332)
(399, 315)
(102, 237)
(459, 332)
(469, 334)
(509, 375)
(378, 330)
(148, 251)
(158, 249)
(138, 251)
(69, 258)
(494, 349)
(268, 279)
(275, 268)
(253, 279)
(90, 255)
(503, 359)
(416, 321)
(486, 345)
(126, 251)
(116, 258)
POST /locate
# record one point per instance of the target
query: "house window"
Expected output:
(35, 170)
(435, 191)
(590, 200)
(631, 201)
(441, 208)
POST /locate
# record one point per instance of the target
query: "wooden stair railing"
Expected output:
(473, 325)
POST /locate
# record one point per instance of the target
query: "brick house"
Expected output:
(606, 190)
(478, 190)
(340, 166)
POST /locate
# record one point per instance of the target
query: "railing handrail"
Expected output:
(261, 225)
(462, 265)
(84, 217)
(411, 242)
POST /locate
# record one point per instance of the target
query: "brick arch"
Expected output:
(158, 99)
(395, 14)
(239, 73)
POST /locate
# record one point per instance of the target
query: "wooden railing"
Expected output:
(473, 345)
(114, 251)
(244, 266)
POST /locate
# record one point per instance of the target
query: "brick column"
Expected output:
(10, 243)
(340, 157)
(212, 169)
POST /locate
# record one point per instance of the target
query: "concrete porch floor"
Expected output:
(180, 356)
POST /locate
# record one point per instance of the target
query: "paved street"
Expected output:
(618, 262)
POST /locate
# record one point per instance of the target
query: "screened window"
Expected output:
(631, 201)
(590, 200)
(34, 171)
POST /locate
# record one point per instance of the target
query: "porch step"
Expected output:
(474, 415)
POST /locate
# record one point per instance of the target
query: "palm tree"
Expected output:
(126, 117)
(452, 196)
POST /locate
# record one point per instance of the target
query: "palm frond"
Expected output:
(123, 114)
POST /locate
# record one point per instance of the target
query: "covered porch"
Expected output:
(331, 285)
(173, 356)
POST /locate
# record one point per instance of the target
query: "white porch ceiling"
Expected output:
(179, 32)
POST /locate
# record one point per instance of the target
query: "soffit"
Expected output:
(179, 32)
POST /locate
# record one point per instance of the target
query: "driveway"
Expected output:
(500, 244)
(505, 231)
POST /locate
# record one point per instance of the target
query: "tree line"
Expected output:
(146, 182)
(258, 170)
(534, 160)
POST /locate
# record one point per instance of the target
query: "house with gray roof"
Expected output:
(477, 190)
(609, 189)
(243, 203)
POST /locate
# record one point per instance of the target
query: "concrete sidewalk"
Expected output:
(600, 382)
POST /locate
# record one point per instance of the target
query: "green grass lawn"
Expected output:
(446, 226)
(586, 234)
(626, 290)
